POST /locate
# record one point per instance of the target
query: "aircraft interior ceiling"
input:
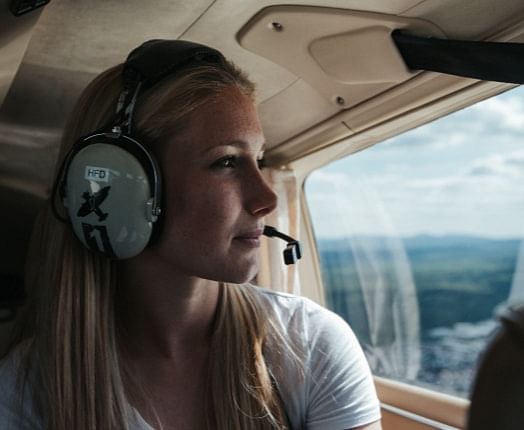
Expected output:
(322, 54)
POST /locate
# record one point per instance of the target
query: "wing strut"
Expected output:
(487, 61)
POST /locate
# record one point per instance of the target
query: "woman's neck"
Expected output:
(163, 313)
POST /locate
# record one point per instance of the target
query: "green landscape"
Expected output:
(457, 278)
(459, 282)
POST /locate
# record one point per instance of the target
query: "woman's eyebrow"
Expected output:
(235, 143)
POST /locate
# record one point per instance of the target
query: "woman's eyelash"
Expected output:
(226, 162)
(232, 161)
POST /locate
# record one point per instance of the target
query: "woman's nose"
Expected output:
(262, 199)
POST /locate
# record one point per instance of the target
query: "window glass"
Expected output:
(421, 241)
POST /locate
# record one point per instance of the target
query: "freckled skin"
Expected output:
(208, 205)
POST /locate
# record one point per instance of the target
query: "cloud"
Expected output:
(498, 118)
(510, 165)
(506, 110)
(462, 174)
(482, 198)
(499, 175)
(481, 171)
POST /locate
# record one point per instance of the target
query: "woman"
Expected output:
(174, 337)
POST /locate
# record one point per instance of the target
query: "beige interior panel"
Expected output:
(299, 105)
(345, 57)
(301, 38)
(422, 98)
(417, 92)
(15, 33)
(226, 17)
(92, 35)
(439, 407)
(421, 90)
(393, 421)
(329, 132)
(309, 269)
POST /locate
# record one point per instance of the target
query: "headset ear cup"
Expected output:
(109, 199)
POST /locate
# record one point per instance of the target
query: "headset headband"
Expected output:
(155, 59)
(151, 62)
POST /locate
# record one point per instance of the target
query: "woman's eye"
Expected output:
(226, 162)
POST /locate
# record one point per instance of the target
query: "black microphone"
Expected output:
(293, 252)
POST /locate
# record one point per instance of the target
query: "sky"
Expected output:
(462, 174)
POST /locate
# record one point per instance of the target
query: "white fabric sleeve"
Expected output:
(340, 389)
(15, 414)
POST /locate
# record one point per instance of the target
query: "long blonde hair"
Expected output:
(71, 353)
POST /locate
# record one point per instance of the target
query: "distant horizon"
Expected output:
(420, 235)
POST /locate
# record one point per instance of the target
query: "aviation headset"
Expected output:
(109, 182)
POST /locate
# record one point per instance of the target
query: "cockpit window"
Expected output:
(421, 241)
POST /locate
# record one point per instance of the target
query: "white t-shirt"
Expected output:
(333, 391)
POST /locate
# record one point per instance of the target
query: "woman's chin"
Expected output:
(239, 274)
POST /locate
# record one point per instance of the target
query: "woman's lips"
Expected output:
(250, 239)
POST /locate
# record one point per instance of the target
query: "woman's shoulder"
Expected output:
(332, 385)
(300, 315)
(297, 307)
(286, 302)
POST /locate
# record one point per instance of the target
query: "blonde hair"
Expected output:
(71, 355)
